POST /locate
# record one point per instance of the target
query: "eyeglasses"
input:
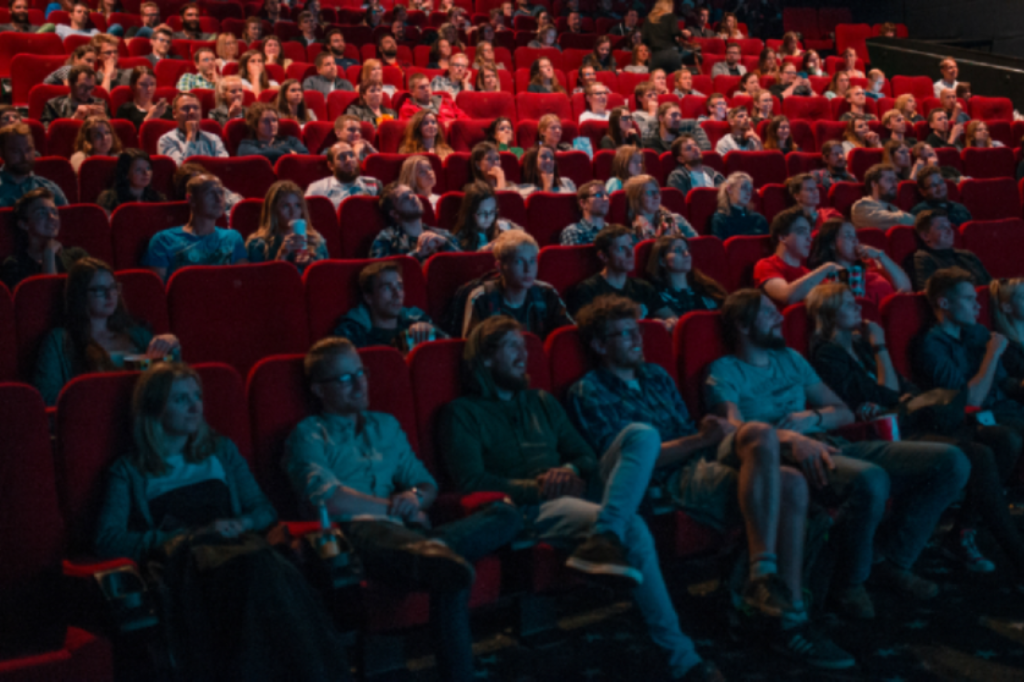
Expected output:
(347, 380)
(600, 93)
(597, 195)
(104, 292)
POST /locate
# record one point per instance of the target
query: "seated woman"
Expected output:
(735, 215)
(681, 287)
(543, 79)
(729, 27)
(479, 222)
(871, 273)
(779, 135)
(440, 53)
(597, 102)
(37, 251)
(229, 99)
(750, 85)
(621, 130)
(790, 45)
(423, 135)
(850, 63)
(811, 64)
(84, 55)
(764, 107)
(417, 172)
(850, 355)
(978, 136)
(501, 134)
(859, 135)
(485, 167)
(540, 172)
(627, 163)
(838, 86)
(907, 105)
(226, 49)
(98, 334)
(264, 140)
(185, 505)
(133, 177)
(284, 208)
(897, 155)
(601, 58)
(645, 110)
(768, 64)
(485, 56)
(142, 107)
(924, 155)
(857, 100)
(547, 38)
(660, 82)
(897, 126)
(647, 216)
(290, 103)
(640, 61)
(253, 70)
(372, 73)
(370, 106)
(549, 132)
(273, 53)
(487, 80)
(96, 137)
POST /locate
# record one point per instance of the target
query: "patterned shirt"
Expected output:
(583, 232)
(175, 248)
(824, 177)
(191, 81)
(446, 84)
(173, 144)
(337, 191)
(11, 191)
(681, 226)
(393, 241)
(601, 405)
(541, 313)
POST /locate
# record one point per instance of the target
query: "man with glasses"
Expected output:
(348, 128)
(691, 171)
(149, 12)
(345, 180)
(932, 186)
(18, 152)
(356, 466)
(78, 16)
(597, 103)
(458, 79)
(106, 64)
(671, 125)
(731, 66)
(188, 139)
(79, 103)
(406, 235)
(200, 241)
(790, 84)
(593, 203)
(161, 46)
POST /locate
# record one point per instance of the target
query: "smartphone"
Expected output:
(802, 74)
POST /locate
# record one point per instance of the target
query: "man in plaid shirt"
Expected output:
(207, 78)
(593, 202)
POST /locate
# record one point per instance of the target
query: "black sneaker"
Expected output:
(808, 645)
(603, 555)
(768, 595)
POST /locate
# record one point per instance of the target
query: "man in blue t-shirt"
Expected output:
(200, 241)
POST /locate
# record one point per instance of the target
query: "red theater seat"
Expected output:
(992, 199)
(764, 167)
(362, 222)
(921, 87)
(548, 214)
(742, 254)
(998, 243)
(465, 134)
(842, 196)
(692, 359)
(991, 108)
(250, 176)
(860, 159)
(904, 317)
(8, 338)
(566, 266)
(133, 225)
(487, 105)
(446, 272)
(991, 162)
(58, 169)
(701, 204)
(807, 108)
(302, 169)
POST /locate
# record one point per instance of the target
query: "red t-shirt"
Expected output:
(876, 286)
(774, 266)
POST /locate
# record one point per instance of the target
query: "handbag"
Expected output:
(940, 410)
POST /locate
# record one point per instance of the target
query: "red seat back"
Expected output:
(862, 158)
(807, 108)
(764, 167)
(998, 243)
(692, 359)
(250, 176)
(565, 266)
(920, 87)
(548, 214)
(57, 169)
(990, 162)
(742, 254)
(133, 225)
(363, 222)
(446, 272)
(842, 196)
(531, 106)
(487, 105)
(991, 199)
(302, 169)
(904, 317)
(991, 108)
(701, 204)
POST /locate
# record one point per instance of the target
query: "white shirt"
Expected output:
(591, 116)
(941, 85)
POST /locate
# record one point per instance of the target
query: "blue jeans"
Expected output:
(922, 479)
(472, 538)
(625, 473)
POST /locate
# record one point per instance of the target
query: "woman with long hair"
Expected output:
(645, 111)
(640, 59)
(790, 45)
(370, 106)
(487, 79)
(142, 107)
(543, 79)
(661, 33)
(906, 104)
(290, 103)
(627, 163)
(859, 135)
(768, 64)
(540, 172)
(485, 167)
(750, 85)
(423, 134)
(601, 58)
(872, 274)
(501, 134)
(96, 137)
(479, 221)
(681, 287)
(264, 138)
(549, 132)
(133, 178)
(252, 69)
(850, 63)
(440, 53)
(779, 135)
(736, 215)
(418, 173)
(485, 56)
(273, 53)
(185, 506)
(98, 334)
(547, 38)
(764, 107)
(372, 73)
(647, 216)
(621, 130)
(838, 86)
(811, 64)
(896, 153)
(729, 28)
(276, 238)
(226, 49)
(977, 135)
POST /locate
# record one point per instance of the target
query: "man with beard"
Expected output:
(784, 277)
(592, 198)
(348, 128)
(188, 139)
(149, 12)
(835, 166)
(506, 437)
(78, 103)
(722, 473)
(19, 18)
(671, 124)
(878, 209)
(932, 186)
(190, 26)
(336, 47)
(18, 152)
(345, 180)
(690, 170)
(326, 80)
(741, 137)
(406, 235)
(764, 381)
(271, 11)
(387, 51)
(78, 16)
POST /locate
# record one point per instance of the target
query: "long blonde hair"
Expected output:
(622, 159)
(661, 8)
(1002, 291)
(634, 188)
(823, 303)
(270, 227)
(407, 176)
(724, 201)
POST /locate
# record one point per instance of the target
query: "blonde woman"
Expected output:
(838, 86)
(627, 163)
(372, 73)
(418, 173)
(549, 132)
(96, 137)
(226, 49)
(423, 134)
(859, 135)
(978, 136)
(735, 215)
(648, 217)
(229, 96)
(907, 105)
(277, 238)
(662, 35)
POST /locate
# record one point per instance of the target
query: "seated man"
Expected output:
(807, 196)
(950, 71)
(307, 29)
(791, 84)
(381, 318)
(835, 166)
(614, 247)
(505, 437)
(420, 97)
(36, 218)
(720, 473)
(335, 46)
(877, 208)
(191, 28)
(161, 46)
(348, 128)
(79, 103)
(108, 74)
(670, 125)
(764, 381)
(458, 79)
(944, 133)
(516, 293)
(78, 21)
(718, 108)
(684, 84)
(149, 14)
(326, 79)
(954, 112)
(18, 152)
(200, 241)
(937, 235)
(783, 276)
(741, 137)
(19, 22)
(356, 466)
(188, 139)
(691, 171)
(346, 180)
(208, 75)
(406, 235)
(932, 186)
(593, 202)
(731, 66)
